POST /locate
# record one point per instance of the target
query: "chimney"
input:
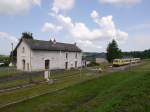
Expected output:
(50, 40)
(54, 41)
(27, 35)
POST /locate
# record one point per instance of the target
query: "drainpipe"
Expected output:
(60, 59)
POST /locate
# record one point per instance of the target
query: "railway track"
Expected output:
(59, 78)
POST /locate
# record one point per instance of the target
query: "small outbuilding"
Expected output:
(101, 60)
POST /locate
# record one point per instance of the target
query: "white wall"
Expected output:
(57, 59)
(23, 56)
(36, 59)
(101, 60)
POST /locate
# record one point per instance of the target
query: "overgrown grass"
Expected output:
(20, 82)
(62, 81)
(8, 71)
(119, 92)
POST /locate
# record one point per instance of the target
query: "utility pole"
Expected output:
(12, 54)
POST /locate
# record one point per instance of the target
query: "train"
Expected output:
(121, 62)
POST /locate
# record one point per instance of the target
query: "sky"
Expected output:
(92, 24)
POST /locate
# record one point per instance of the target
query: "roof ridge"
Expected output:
(47, 45)
(56, 42)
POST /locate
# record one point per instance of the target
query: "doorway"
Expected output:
(47, 64)
(24, 64)
(66, 65)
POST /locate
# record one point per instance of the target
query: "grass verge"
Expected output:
(119, 92)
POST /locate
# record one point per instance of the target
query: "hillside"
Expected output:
(91, 56)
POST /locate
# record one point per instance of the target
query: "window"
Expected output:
(66, 55)
(23, 50)
(76, 55)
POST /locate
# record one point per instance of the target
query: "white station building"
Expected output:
(38, 55)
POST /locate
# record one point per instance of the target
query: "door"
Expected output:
(66, 65)
(47, 64)
(24, 64)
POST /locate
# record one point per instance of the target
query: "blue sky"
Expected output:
(90, 23)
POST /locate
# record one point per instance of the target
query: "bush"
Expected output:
(5, 60)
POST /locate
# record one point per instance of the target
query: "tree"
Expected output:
(27, 35)
(5, 59)
(113, 51)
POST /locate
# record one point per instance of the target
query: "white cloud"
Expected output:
(9, 37)
(106, 31)
(62, 5)
(108, 28)
(120, 2)
(64, 20)
(89, 46)
(12, 7)
(94, 14)
(81, 33)
(51, 27)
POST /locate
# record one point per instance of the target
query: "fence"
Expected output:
(23, 79)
